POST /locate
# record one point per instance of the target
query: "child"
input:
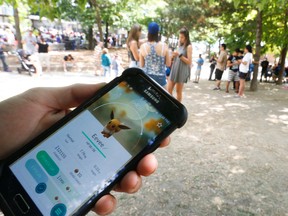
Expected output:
(116, 65)
(105, 61)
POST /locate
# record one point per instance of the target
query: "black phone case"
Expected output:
(178, 116)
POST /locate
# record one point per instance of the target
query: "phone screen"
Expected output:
(86, 154)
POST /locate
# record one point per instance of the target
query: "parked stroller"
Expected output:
(26, 65)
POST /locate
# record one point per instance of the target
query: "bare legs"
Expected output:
(218, 82)
(179, 89)
(241, 87)
(236, 86)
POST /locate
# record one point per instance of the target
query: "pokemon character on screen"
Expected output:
(113, 126)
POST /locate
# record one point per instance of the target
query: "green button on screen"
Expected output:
(48, 164)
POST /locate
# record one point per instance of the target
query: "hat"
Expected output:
(153, 28)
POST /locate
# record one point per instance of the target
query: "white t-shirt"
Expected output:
(247, 58)
(30, 42)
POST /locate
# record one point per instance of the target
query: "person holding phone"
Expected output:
(133, 44)
(180, 71)
(33, 111)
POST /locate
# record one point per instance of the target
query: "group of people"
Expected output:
(32, 45)
(238, 64)
(108, 64)
(154, 57)
(270, 72)
(171, 69)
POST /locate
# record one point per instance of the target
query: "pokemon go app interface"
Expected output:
(84, 156)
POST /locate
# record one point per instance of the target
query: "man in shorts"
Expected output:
(233, 75)
(221, 66)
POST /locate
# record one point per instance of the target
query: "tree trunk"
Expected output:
(254, 82)
(17, 27)
(98, 18)
(106, 34)
(284, 49)
(282, 66)
(91, 43)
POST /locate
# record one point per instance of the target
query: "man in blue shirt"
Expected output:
(200, 62)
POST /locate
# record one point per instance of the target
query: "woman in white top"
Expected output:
(244, 68)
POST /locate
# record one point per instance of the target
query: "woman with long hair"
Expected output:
(180, 71)
(154, 56)
(133, 44)
(244, 69)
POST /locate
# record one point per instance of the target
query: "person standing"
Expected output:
(43, 49)
(3, 58)
(244, 68)
(213, 62)
(233, 75)
(199, 62)
(180, 71)
(220, 66)
(264, 65)
(97, 57)
(30, 43)
(133, 45)
(105, 62)
(154, 56)
(116, 65)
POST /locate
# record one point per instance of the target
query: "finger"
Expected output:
(105, 205)
(165, 142)
(65, 97)
(130, 183)
(76, 94)
(147, 165)
(51, 118)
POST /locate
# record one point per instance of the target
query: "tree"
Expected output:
(15, 4)
(276, 27)
(259, 21)
(254, 82)
(17, 27)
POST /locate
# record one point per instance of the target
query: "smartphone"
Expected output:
(67, 168)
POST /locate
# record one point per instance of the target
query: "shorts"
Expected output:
(198, 72)
(242, 75)
(233, 76)
(218, 74)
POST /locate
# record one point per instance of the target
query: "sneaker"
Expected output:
(217, 89)
(8, 70)
(195, 82)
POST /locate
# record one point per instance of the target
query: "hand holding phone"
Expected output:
(51, 168)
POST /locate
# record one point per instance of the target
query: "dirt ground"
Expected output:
(231, 157)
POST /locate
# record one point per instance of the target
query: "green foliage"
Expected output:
(207, 20)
